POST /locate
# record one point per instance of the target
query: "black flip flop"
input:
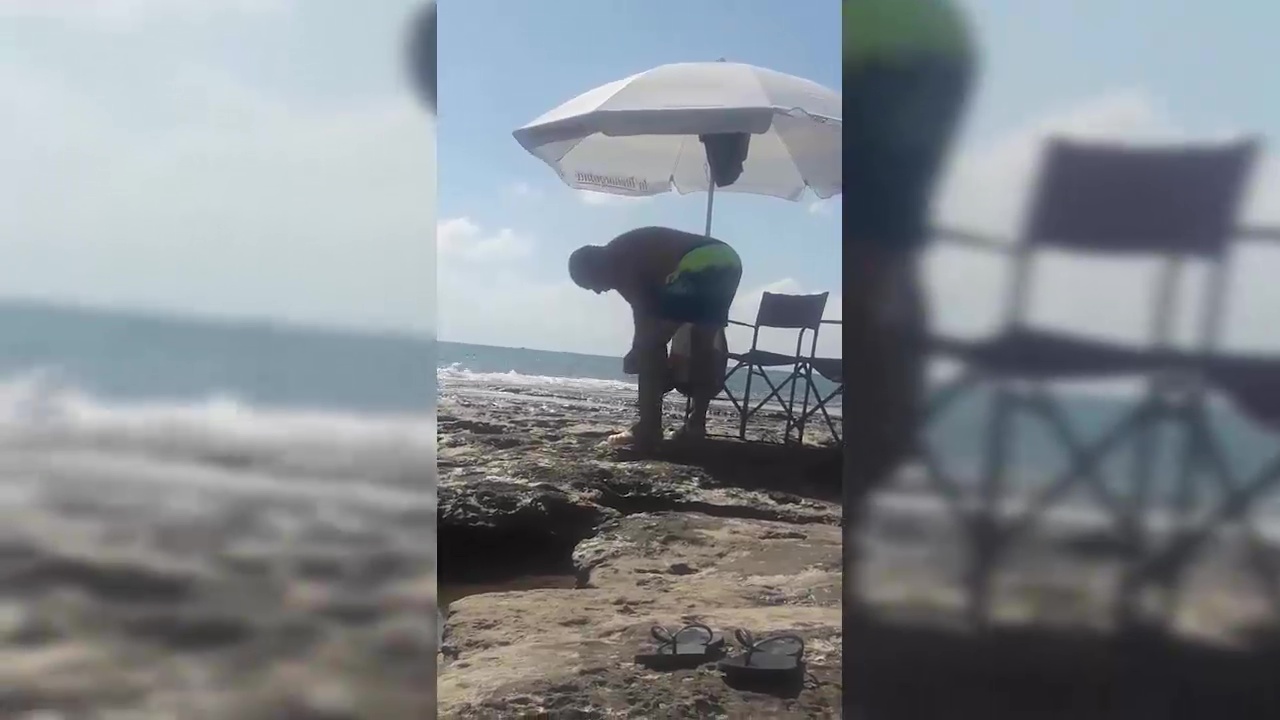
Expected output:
(688, 647)
(772, 659)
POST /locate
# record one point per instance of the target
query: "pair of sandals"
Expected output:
(770, 659)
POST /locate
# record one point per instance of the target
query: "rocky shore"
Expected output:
(562, 554)
(556, 555)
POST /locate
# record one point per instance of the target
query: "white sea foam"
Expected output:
(459, 376)
(51, 430)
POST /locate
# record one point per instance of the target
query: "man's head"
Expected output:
(589, 268)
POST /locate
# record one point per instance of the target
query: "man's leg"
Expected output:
(706, 376)
(885, 329)
(652, 381)
(907, 71)
(708, 278)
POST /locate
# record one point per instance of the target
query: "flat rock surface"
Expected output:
(721, 532)
(516, 654)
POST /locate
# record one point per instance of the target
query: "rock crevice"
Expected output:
(489, 529)
(736, 537)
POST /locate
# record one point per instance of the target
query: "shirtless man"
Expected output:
(670, 278)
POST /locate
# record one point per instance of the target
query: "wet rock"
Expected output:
(470, 425)
(532, 527)
(189, 630)
(783, 535)
(118, 581)
(320, 566)
(492, 528)
(22, 626)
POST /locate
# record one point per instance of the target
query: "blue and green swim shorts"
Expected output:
(908, 66)
(702, 287)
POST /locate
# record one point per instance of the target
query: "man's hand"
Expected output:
(631, 363)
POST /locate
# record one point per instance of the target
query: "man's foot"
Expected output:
(690, 432)
(623, 438)
(636, 437)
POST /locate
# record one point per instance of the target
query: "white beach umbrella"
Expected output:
(643, 135)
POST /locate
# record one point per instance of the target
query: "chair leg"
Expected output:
(820, 406)
(744, 413)
(725, 388)
(793, 420)
(1231, 508)
(789, 420)
(986, 536)
(804, 404)
(775, 393)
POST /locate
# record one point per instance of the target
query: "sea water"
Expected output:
(153, 399)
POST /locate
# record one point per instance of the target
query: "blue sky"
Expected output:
(1092, 68)
(502, 64)
(266, 158)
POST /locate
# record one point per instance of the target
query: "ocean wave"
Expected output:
(45, 414)
(458, 375)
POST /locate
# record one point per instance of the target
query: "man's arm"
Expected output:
(641, 329)
(641, 260)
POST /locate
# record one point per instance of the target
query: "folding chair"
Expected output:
(1252, 383)
(802, 313)
(832, 370)
(1174, 203)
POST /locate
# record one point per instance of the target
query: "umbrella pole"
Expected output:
(711, 198)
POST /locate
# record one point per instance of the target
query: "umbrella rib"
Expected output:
(671, 174)
(782, 138)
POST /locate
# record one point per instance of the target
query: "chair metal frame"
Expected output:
(802, 313)
(1221, 371)
(1020, 355)
(820, 401)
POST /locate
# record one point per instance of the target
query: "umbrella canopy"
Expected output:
(649, 133)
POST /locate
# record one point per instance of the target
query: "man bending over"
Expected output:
(670, 278)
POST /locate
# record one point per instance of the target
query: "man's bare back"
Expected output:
(644, 257)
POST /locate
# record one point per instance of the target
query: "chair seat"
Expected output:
(1042, 355)
(829, 368)
(763, 358)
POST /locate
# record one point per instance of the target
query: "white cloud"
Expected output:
(825, 207)
(461, 240)
(603, 199)
(218, 199)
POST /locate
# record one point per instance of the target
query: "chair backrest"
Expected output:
(791, 311)
(1116, 199)
(1174, 203)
